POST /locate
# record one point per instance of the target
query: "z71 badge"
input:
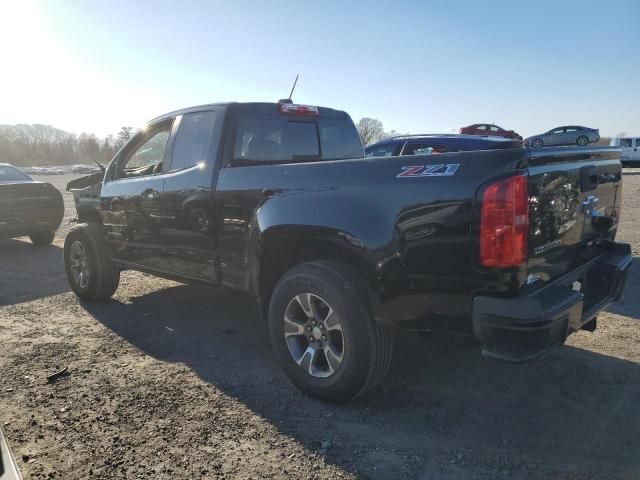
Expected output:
(440, 170)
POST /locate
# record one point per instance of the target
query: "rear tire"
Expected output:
(43, 238)
(582, 141)
(364, 348)
(91, 273)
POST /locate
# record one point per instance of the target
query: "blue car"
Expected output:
(430, 144)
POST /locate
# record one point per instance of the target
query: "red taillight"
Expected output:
(295, 109)
(504, 223)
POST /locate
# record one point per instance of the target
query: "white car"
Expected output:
(630, 147)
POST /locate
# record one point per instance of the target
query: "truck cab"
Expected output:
(159, 204)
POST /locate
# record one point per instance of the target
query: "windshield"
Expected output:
(12, 174)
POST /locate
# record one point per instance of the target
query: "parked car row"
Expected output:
(85, 169)
(481, 136)
(565, 135)
(43, 171)
(61, 170)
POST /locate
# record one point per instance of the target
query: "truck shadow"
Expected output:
(28, 272)
(441, 402)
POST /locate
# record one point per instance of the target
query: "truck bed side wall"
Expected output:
(411, 235)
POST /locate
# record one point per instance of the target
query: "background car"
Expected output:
(629, 149)
(433, 144)
(567, 135)
(27, 207)
(490, 130)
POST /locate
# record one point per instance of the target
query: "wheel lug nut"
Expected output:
(308, 328)
(324, 337)
(321, 326)
(311, 339)
(313, 322)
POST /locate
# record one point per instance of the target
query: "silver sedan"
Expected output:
(569, 135)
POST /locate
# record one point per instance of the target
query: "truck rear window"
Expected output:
(281, 139)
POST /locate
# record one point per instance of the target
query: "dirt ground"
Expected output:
(174, 381)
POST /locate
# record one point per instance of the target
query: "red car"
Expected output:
(491, 130)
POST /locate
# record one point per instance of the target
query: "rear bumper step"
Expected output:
(523, 328)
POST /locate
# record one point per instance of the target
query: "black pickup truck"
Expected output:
(276, 200)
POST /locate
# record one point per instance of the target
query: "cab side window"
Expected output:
(192, 140)
(417, 149)
(637, 142)
(423, 149)
(146, 154)
(381, 150)
(625, 143)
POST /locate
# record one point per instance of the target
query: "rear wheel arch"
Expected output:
(280, 251)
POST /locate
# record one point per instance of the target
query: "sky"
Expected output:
(418, 66)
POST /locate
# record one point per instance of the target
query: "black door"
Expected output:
(189, 229)
(132, 200)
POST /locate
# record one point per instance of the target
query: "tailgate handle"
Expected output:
(588, 178)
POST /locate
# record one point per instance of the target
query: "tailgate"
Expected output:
(574, 201)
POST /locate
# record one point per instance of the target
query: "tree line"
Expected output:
(44, 145)
(371, 130)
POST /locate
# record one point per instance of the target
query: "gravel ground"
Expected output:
(174, 381)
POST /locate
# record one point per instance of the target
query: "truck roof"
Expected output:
(258, 107)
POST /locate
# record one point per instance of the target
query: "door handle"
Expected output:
(150, 194)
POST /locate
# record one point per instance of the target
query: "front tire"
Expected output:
(43, 238)
(537, 143)
(323, 333)
(91, 273)
(582, 141)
